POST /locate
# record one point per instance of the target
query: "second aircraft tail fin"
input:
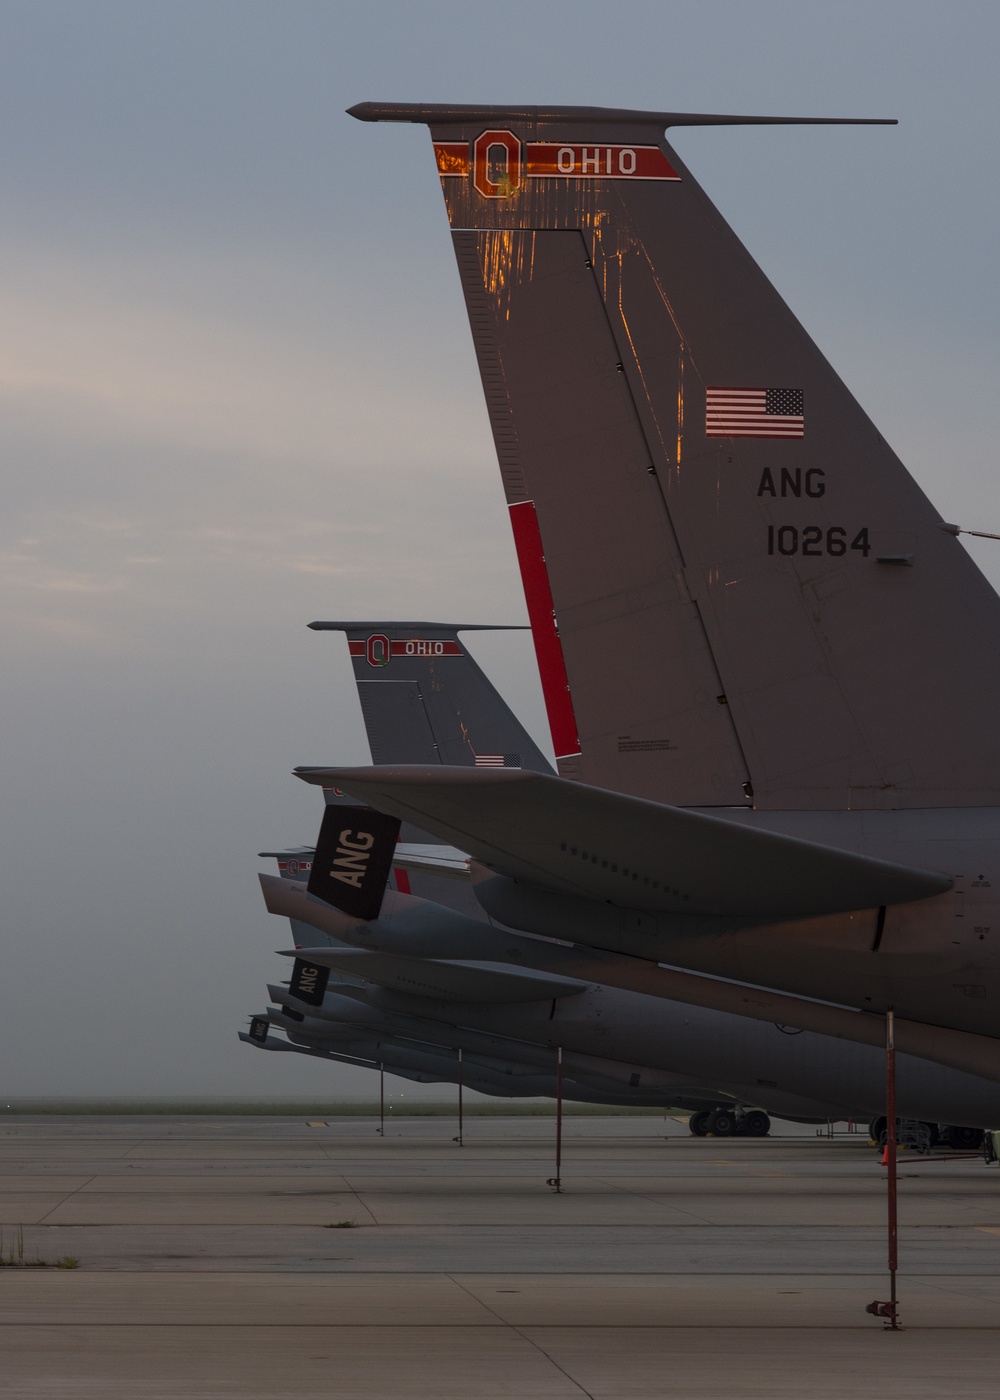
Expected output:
(425, 700)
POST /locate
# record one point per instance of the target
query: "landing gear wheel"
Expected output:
(876, 1129)
(722, 1123)
(698, 1122)
(756, 1123)
(963, 1139)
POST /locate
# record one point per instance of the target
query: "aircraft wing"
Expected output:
(626, 850)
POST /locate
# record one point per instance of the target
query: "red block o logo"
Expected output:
(496, 164)
(377, 650)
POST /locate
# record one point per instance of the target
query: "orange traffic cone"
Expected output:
(885, 1155)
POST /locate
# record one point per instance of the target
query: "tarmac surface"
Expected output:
(669, 1266)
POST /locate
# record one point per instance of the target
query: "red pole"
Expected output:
(559, 1082)
(381, 1098)
(890, 1142)
(460, 1143)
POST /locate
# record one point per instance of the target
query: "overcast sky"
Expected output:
(237, 392)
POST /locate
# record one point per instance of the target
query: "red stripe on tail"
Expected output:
(541, 614)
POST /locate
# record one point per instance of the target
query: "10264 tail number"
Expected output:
(814, 542)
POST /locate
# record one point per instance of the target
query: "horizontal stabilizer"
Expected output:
(267, 1043)
(446, 981)
(446, 861)
(629, 851)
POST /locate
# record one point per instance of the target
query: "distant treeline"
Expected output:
(257, 1108)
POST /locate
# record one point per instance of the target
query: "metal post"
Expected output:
(890, 1142)
(460, 1125)
(556, 1182)
(381, 1098)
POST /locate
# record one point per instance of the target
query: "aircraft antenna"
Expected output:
(959, 530)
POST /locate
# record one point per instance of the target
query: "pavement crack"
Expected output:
(519, 1332)
(68, 1197)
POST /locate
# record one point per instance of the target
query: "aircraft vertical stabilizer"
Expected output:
(749, 597)
(425, 700)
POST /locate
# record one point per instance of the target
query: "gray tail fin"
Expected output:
(749, 595)
(425, 700)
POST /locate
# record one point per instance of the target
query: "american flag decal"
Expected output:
(757, 413)
(498, 760)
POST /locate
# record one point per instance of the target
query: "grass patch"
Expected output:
(12, 1255)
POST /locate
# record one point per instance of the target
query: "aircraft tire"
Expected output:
(722, 1123)
(756, 1123)
(962, 1139)
(698, 1122)
(876, 1128)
